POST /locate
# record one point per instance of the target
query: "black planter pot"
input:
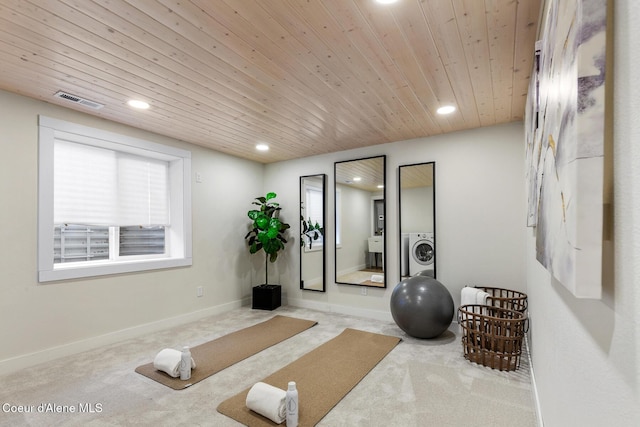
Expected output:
(266, 297)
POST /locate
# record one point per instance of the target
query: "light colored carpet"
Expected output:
(420, 383)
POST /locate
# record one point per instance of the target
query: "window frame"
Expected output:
(178, 235)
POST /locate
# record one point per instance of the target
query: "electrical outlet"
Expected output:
(199, 291)
(363, 290)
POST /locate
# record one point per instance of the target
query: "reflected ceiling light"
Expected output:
(262, 147)
(380, 186)
(446, 109)
(136, 103)
(357, 179)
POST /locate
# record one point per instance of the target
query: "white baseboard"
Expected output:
(342, 309)
(31, 359)
(534, 388)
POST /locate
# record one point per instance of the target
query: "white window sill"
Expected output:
(315, 248)
(62, 272)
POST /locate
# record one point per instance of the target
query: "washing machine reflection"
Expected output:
(422, 255)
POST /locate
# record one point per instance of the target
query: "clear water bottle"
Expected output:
(185, 364)
(291, 401)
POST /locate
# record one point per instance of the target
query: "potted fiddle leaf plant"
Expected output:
(267, 234)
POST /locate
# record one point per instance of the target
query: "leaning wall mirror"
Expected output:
(360, 222)
(417, 220)
(312, 232)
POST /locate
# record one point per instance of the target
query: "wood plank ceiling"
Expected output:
(306, 77)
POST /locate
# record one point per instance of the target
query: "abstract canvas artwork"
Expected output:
(532, 138)
(565, 144)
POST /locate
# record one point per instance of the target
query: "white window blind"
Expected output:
(143, 192)
(98, 186)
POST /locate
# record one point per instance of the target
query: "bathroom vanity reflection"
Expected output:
(360, 211)
(417, 221)
(312, 232)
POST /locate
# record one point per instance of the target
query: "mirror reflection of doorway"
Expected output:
(359, 218)
(378, 217)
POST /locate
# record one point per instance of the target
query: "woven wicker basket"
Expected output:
(506, 298)
(492, 336)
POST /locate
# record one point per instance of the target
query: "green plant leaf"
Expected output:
(274, 223)
(271, 195)
(263, 238)
(272, 246)
(261, 222)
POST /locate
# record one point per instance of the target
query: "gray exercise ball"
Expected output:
(427, 273)
(422, 307)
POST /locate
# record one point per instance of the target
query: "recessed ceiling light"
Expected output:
(357, 179)
(446, 109)
(136, 103)
(380, 186)
(386, 1)
(262, 147)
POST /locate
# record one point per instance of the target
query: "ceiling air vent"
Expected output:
(78, 100)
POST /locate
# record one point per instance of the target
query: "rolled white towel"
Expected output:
(168, 360)
(469, 295)
(482, 297)
(377, 278)
(268, 401)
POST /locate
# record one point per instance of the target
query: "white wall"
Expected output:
(480, 215)
(42, 321)
(586, 353)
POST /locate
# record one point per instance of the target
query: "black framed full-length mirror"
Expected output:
(312, 232)
(360, 212)
(417, 219)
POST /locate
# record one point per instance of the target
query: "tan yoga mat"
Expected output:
(216, 355)
(323, 376)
